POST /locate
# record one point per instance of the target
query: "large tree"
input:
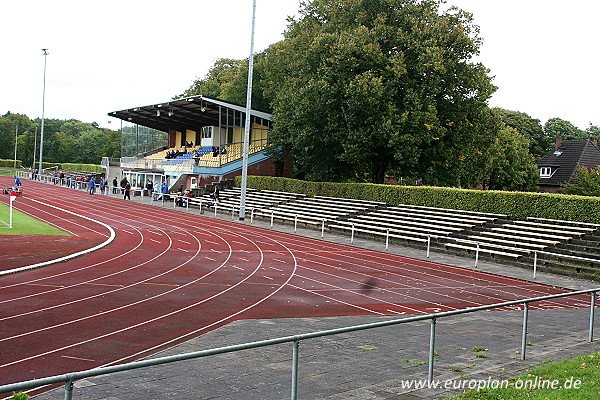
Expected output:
(540, 143)
(361, 88)
(557, 127)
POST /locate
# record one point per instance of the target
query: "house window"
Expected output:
(545, 172)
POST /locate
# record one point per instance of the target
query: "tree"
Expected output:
(8, 126)
(540, 144)
(586, 182)
(556, 127)
(360, 88)
(510, 165)
(228, 80)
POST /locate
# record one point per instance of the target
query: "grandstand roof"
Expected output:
(181, 114)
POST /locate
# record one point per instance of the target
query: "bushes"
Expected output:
(517, 205)
(9, 163)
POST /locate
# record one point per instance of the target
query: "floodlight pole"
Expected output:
(16, 138)
(43, 111)
(34, 151)
(248, 118)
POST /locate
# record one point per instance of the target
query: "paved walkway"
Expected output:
(367, 365)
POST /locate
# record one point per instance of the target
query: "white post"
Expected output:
(323, 228)
(534, 264)
(352, 236)
(248, 118)
(10, 214)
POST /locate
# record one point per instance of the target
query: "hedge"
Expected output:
(9, 163)
(517, 205)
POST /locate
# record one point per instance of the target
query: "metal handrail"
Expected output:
(70, 378)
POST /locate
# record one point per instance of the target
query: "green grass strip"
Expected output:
(24, 224)
(574, 379)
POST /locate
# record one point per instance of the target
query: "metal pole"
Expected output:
(34, 151)
(323, 228)
(295, 223)
(387, 239)
(352, 236)
(428, 245)
(477, 255)
(295, 370)
(43, 112)
(272, 218)
(431, 349)
(534, 264)
(592, 307)
(69, 389)
(524, 333)
(248, 118)
(251, 214)
(16, 139)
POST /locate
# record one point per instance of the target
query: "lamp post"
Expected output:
(248, 119)
(16, 138)
(43, 110)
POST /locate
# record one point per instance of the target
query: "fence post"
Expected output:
(477, 255)
(69, 389)
(295, 222)
(534, 263)
(272, 215)
(323, 227)
(232, 212)
(251, 215)
(295, 369)
(387, 239)
(200, 208)
(524, 334)
(431, 349)
(216, 206)
(428, 244)
(592, 307)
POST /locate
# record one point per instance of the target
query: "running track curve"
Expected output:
(169, 276)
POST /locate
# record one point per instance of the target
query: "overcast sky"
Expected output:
(110, 55)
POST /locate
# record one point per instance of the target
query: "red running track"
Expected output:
(169, 276)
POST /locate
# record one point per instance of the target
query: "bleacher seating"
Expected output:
(413, 223)
(314, 210)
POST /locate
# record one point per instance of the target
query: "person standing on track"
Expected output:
(92, 185)
(126, 190)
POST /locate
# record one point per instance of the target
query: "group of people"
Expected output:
(175, 153)
(216, 151)
(149, 188)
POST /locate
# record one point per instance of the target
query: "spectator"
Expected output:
(102, 185)
(215, 196)
(92, 186)
(149, 187)
(123, 183)
(114, 184)
(126, 190)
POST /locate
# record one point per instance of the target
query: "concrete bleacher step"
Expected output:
(441, 215)
(382, 228)
(509, 252)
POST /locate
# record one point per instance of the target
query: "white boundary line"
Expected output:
(70, 256)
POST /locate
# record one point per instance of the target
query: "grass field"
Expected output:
(24, 224)
(574, 379)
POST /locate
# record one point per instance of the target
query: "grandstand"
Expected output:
(203, 142)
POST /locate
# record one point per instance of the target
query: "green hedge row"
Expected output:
(81, 167)
(9, 163)
(517, 205)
